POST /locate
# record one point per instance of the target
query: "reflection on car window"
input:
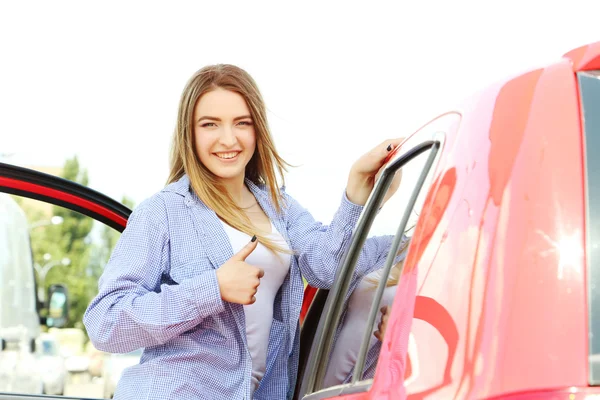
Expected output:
(57, 302)
(353, 324)
(590, 100)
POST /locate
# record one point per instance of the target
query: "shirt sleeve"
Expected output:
(320, 248)
(133, 309)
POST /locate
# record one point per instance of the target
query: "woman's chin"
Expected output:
(229, 175)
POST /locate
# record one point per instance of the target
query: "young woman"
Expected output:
(207, 276)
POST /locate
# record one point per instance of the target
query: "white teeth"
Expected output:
(227, 155)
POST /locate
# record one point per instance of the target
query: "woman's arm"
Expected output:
(133, 309)
(320, 248)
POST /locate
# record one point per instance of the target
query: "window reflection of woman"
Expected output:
(353, 324)
(351, 331)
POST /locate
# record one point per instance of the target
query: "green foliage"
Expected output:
(71, 241)
(111, 236)
(85, 242)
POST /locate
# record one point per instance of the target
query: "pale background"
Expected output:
(102, 79)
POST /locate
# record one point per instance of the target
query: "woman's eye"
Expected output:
(207, 124)
(247, 123)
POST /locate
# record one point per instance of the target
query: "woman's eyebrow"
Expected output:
(208, 117)
(219, 119)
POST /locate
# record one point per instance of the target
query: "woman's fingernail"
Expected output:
(389, 147)
(253, 239)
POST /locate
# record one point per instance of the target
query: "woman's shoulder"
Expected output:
(159, 205)
(152, 209)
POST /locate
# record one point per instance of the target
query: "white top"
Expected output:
(259, 316)
(347, 346)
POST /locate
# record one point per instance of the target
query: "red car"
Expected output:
(499, 293)
(507, 248)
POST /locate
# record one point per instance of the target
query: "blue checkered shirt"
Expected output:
(159, 292)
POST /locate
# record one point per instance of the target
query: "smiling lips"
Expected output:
(228, 155)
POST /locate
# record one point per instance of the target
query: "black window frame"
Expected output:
(311, 385)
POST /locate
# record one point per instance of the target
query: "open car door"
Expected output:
(35, 365)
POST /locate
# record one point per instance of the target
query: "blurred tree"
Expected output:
(111, 236)
(86, 243)
(71, 240)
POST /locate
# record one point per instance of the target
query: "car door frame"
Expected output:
(442, 129)
(314, 369)
(52, 189)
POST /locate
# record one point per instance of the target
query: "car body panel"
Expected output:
(510, 293)
(585, 58)
(502, 297)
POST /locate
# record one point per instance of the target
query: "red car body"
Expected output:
(501, 307)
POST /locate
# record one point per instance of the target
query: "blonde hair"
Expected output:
(394, 276)
(262, 168)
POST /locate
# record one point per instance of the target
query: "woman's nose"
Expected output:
(228, 136)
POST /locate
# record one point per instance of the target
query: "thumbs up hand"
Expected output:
(238, 280)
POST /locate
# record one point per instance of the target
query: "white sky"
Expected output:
(103, 79)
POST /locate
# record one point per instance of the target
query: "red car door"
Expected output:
(322, 316)
(507, 302)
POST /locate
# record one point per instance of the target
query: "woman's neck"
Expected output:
(238, 191)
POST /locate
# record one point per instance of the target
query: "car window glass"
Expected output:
(353, 324)
(43, 246)
(589, 82)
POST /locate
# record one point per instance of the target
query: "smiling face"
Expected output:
(224, 135)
